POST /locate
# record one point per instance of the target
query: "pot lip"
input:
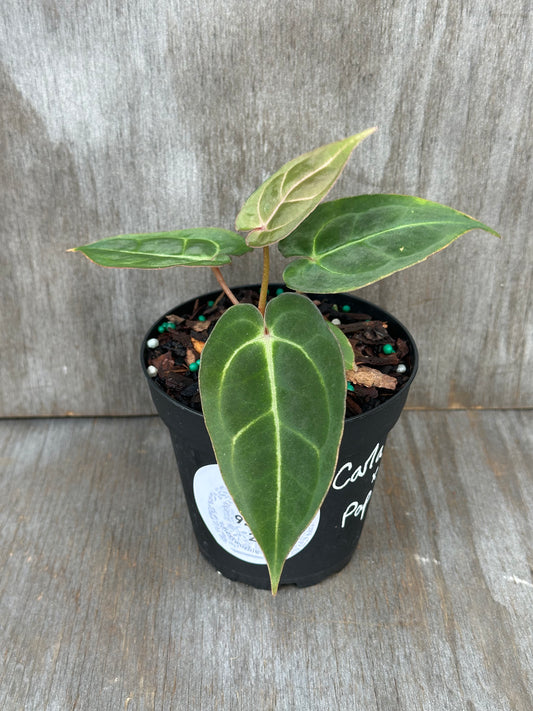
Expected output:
(387, 316)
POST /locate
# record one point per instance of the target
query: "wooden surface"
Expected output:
(138, 116)
(106, 604)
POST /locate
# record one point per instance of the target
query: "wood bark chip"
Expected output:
(164, 363)
(370, 377)
(198, 326)
(174, 318)
(198, 345)
(373, 359)
(190, 357)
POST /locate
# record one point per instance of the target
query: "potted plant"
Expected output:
(273, 376)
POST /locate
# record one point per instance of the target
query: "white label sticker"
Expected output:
(226, 524)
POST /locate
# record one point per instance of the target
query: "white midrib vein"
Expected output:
(179, 255)
(379, 233)
(270, 365)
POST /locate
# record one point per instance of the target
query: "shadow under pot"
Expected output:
(329, 542)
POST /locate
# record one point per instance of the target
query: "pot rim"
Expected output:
(388, 316)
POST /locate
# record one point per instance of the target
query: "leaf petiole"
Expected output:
(225, 288)
(264, 282)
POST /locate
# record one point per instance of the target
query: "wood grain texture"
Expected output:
(106, 603)
(119, 117)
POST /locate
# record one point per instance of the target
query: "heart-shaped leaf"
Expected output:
(196, 247)
(288, 196)
(273, 395)
(349, 243)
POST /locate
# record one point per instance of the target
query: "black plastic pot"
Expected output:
(331, 539)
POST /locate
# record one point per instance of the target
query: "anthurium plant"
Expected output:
(272, 378)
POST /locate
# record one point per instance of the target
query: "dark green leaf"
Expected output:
(349, 243)
(273, 395)
(196, 247)
(288, 196)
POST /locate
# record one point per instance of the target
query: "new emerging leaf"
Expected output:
(279, 205)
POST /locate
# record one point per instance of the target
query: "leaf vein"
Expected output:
(379, 233)
(271, 376)
(224, 370)
(247, 426)
(304, 438)
(154, 254)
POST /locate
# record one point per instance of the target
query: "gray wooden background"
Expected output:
(142, 116)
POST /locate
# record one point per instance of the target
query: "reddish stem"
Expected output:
(225, 288)
(264, 283)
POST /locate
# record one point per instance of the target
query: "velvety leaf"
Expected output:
(288, 196)
(196, 247)
(345, 346)
(349, 243)
(273, 396)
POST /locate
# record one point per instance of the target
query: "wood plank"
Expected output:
(106, 603)
(167, 115)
